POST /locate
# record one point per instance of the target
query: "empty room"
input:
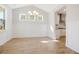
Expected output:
(39, 29)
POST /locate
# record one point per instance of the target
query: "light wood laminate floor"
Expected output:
(42, 45)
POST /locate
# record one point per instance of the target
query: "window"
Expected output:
(31, 16)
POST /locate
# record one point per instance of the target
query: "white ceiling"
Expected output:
(46, 7)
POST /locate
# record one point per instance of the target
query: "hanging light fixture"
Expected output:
(35, 15)
(33, 12)
(30, 12)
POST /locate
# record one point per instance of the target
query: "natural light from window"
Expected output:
(49, 41)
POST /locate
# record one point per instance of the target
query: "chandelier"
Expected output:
(33, 12)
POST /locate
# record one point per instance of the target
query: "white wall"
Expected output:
(51, 26)
(6, 35)
(26, 28)
(72, 27)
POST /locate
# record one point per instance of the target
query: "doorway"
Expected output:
(60, 23)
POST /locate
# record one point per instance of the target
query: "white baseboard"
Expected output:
(72, 48)
(2, 43)
(53, 38)
(29, 36)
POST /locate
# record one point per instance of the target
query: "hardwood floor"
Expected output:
(35, 46)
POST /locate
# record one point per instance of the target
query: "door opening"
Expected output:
(60, 23)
